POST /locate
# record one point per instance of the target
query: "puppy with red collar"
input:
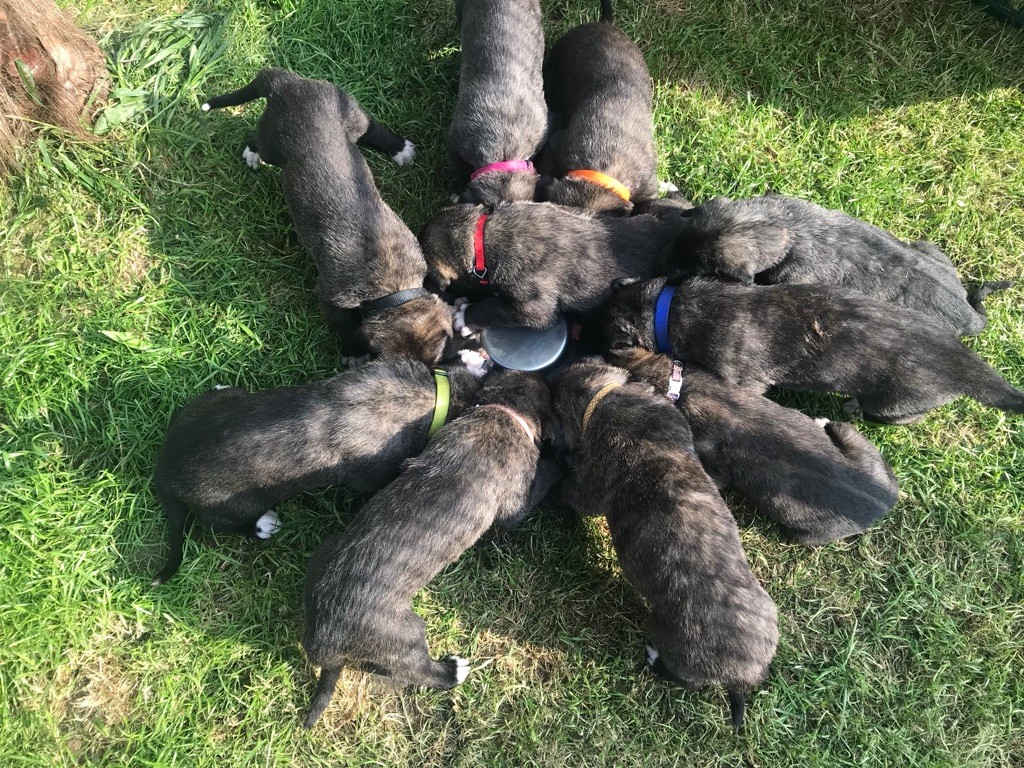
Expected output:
(500, 119)
(633, 461)
(370, 268)
(483, 468)
(601, 148)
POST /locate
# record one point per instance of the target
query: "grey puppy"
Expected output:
(897, 364)
(370, 267)
(538, 259)
(231, 455)
(777, 239)
(598, 86)
(820, 480)
(480, 469)
(710, 621)
(501, 115)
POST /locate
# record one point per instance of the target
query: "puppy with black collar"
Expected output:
(525, 262)
(231, 455)
(897, 364)
(602, 151)
(480, 469)
(710, 621)
(774, 239)
(370, 267)
(820, 480)
(500, 119)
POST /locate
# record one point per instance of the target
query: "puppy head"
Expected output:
(573, 390)
(417, 330)
(579, 193)
(628, 316)
(492, 189)
(643, 365)
(526, 393)
(447, 242)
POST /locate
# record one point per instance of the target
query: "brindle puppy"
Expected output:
(231, 455)
(368, 262)
(775, 239)
(634, 462)
(480, 469)
(500, 115)
(598, 86)
(820, 480)
(897, 364)
(540, 259)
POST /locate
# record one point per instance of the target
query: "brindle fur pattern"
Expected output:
(231, 455)
(710, 621)
(775, 239)
(480, 469)
(822, 482)
(897, 363)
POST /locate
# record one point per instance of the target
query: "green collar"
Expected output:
(441, 401)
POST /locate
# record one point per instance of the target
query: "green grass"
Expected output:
(140, 270)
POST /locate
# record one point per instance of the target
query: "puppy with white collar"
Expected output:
(633, 461)
(370, 267)
(231, 455)
(483, 468)
(500, 119)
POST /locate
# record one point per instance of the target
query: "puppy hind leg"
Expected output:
(412, 664)
(384, 140)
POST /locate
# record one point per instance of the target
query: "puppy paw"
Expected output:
(821, 422)
(205, 106)
(453, 198)
(252, 159)
(268, 525)
(462, 668)
(475, 362)
(851, 406)
(652, 655)
(406, 155)
(459, 321)
(667, 187)
(354, 362)
(222, 386)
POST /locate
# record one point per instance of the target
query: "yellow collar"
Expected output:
(602, 180)
(595, 400)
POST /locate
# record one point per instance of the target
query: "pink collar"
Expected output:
(506, 166)
(518, 419)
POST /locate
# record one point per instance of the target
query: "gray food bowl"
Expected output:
(526, 349)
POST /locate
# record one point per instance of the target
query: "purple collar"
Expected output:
(506, 166)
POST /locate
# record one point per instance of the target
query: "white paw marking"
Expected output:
(252, 159)
(666, 187)
(652, 655)
(453, 198)
(475, 362)
(462, 669)
(205, 107)
(821, 422)
(268, 525)
(459, 321)
(406, 155)
(222, 386)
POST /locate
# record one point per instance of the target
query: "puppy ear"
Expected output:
(622, 282)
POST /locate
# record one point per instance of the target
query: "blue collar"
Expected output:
(661, 310)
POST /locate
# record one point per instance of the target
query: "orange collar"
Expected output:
(602, 180)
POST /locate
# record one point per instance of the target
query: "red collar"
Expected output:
(479, 265)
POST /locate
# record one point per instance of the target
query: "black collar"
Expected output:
(396, 299)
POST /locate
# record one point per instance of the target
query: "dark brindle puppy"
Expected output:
(634, 462)
(482, 468)
(500, 120)
(820, 480)
(368, 262)
(777, 239)
(540, 259)
(597, 84)
(231, 455)
(897, 364)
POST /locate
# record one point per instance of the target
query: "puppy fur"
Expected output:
(541, 259)
(501, 114)
(897, 364)
(359, 587)
(598, 87)
(776, 239)
(362, 249)
(231, 455)
(820, 482)
(710, 621)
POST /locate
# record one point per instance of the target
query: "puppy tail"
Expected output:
(257, 89)
(607, 13)
(977, 295)
(736, 709)
(177, 521)
(324, 691)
